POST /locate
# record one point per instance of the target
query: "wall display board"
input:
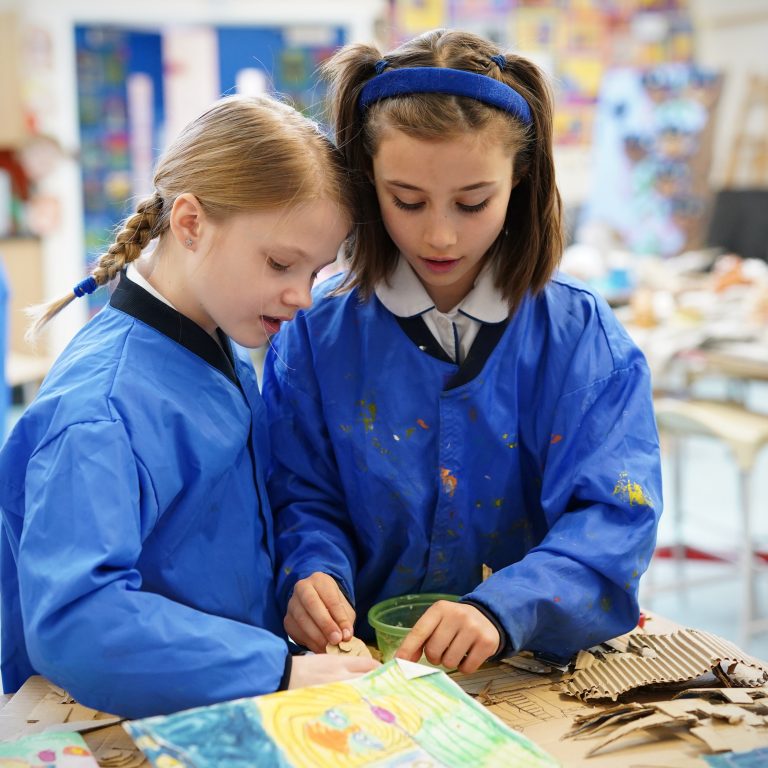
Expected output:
(575, 41)
(652, 151)
(107, 58)
(123, 77)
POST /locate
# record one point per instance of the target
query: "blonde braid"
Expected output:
(137, 232)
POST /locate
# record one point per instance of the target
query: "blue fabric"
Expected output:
(456, 82)
(545, 466)
(137, 567)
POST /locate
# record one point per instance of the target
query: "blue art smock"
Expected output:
(396, 471)
(137, 542)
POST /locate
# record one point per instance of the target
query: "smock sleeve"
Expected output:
(89, 625)
(312, 525)
(601, 496)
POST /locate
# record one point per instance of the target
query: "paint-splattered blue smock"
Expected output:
(397, 471)
(136, 548)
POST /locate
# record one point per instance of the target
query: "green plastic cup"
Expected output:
(393, 619)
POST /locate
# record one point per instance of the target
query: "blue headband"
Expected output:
(456, 82)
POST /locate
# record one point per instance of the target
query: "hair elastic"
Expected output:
(500, 60)
(89, 285)
(456, 82)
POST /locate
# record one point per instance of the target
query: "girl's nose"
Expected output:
(440, 232)
(299, 296)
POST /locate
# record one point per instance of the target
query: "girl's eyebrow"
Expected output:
(468, 188)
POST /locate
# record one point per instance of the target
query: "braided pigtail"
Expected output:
(137, 232)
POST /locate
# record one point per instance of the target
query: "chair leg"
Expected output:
(677, 462)
(746, 559)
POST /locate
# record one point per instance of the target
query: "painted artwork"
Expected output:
(653, 143)
(399, 715)
(47, 750)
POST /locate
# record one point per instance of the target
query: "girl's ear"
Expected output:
(186, 220)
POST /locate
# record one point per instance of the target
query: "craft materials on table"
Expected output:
(352, 647)
(399, 714)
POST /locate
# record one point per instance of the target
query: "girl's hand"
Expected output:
(318, 613)
(317, 669)
(452, 635)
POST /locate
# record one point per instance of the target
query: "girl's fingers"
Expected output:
(476, 656)
(315, 608)
(413, 646)
(301, 627)
(454, 654)
(338, 608)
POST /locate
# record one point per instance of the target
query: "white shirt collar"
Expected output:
(405, 296)
(133, 274)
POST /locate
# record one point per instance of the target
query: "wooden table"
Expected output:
(523, 699)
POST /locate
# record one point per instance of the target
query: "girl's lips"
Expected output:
(271, 324)
(440, 265)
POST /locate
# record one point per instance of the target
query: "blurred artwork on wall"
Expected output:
(652, 151)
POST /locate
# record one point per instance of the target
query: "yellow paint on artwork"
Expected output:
(350, 732)
(448, 480)
(630, 492)
(166, 761)
(423, 424)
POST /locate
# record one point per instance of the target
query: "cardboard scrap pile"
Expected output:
(572, 713)
(661, 659)
(40, 706)
(723, 719)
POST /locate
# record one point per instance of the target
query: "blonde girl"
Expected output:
(137, 546)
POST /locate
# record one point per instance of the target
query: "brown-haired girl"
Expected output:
(454, 402)
(137, 552)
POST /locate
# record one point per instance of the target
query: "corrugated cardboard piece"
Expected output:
(39, 706)
(659, 659)
(572, 715)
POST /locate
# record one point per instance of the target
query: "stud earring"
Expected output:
(188, 242)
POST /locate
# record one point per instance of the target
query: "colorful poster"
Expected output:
(652, 146)
(47, 750)
(416, 16)
(400, 715)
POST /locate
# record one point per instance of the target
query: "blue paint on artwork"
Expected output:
(226, 736)
(755, 758)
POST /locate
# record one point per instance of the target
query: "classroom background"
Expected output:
(661, 134)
